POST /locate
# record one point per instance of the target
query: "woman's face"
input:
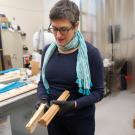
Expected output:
(63, 31)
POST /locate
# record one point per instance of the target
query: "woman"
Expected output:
(72, 64)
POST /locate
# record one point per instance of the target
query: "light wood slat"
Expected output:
(9, 78)
(15, 92)
(32, 124)
(52, 111)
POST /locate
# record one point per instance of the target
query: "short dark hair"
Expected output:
(65, 9)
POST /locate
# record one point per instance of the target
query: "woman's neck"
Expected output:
(68, 51)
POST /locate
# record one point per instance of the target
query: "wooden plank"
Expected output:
(16, 92)
(9, 78)
(32, 124)
(52, 111)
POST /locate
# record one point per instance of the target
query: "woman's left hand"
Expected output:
(65, 106)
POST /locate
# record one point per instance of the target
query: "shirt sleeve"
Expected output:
(41, 91)
(96, 70)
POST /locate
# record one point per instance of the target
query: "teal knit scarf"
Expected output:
(82, 67)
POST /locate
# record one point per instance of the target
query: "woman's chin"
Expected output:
(61, 44)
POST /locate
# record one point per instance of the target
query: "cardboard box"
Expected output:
(134, 123)
(3, 19)
(34, 67)
(0, 64)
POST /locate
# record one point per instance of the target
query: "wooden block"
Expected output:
(32, 124)
(52, 111)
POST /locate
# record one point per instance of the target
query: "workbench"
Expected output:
(16, 112)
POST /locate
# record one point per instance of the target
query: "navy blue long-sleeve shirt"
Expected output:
(61, 75)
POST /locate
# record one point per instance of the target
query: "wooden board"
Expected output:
(9, 78)
(15, 92)
(32, 124)
(52, 111)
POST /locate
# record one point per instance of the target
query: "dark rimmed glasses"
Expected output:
(62, 30)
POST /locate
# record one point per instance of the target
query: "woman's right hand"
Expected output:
(44, 101)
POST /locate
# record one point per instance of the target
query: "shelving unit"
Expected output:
(12, 46)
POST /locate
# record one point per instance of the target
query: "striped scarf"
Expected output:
(82, 67)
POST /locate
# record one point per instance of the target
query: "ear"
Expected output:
(76, 26)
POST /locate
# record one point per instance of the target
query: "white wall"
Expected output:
(47, 6)
(28, 14)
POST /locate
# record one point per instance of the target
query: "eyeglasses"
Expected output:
(62, 30)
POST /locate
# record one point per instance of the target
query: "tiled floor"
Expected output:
(114, 114)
